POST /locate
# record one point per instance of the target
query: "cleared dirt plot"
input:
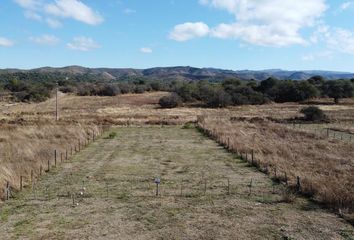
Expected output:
(108, 192)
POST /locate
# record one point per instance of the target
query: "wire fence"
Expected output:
(11, 188)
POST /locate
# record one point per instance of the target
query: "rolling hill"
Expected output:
(186, 73)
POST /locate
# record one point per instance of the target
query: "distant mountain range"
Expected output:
(186, 73)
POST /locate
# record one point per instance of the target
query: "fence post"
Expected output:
(55, 159)
(40, 170)
(7, 190)
(66, 155)
(48, 165)
(93, 135)
(286, 178)
(21, 183)
(228, 186)
(252, 157)
(298, 184)
(61, 157)
(32, 175)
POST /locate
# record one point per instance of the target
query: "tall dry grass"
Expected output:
(25, 148)
(325, 167)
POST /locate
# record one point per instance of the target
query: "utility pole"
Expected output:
(56, 103)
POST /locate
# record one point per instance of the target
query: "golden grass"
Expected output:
(325, 167)
(25, 148)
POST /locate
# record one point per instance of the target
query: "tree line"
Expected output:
(36, 87)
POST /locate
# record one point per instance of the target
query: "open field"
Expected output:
(143, 108)
(325, 165)
(119, 199)
(127, 165)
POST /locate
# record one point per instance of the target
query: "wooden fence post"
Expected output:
(66, 155)
(21, 183)
(61, 157)
(228, 186)
(252, 157)
(7, 190)
(48, 165)
(286, 178)
(55, 159)
(298, 184)
(32, 175)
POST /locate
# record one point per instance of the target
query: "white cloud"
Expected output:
(337, 39)
(129, 11)
(74, 9)
(4, 42)
(145, 50)
(29, 4)
(346, 5)
(83, 44)
(341, 40)
(266, 22)
(33, 15)
(53, 23)
(45, 40)
(320, 55)
(187, 31)
(266, 35)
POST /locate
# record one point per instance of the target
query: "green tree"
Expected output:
(338, 89)
(219, 99)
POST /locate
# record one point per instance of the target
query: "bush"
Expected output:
(313, 113)
(170, 101)
(108, 90)
(219, 99)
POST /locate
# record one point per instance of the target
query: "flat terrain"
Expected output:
(107, 191)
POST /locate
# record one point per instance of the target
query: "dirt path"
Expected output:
(116, 177)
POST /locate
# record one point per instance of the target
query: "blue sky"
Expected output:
(230, 34)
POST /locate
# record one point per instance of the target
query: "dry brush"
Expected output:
(325, 166)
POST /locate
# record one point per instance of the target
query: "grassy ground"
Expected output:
(116, 178)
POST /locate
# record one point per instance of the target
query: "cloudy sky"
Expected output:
(230, 34)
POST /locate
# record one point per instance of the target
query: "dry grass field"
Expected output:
(325, 165)
(29, 135)
(116, 178)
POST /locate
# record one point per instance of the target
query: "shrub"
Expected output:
(170, 101)
(108, 90)
(313, 113)
(219, 99)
